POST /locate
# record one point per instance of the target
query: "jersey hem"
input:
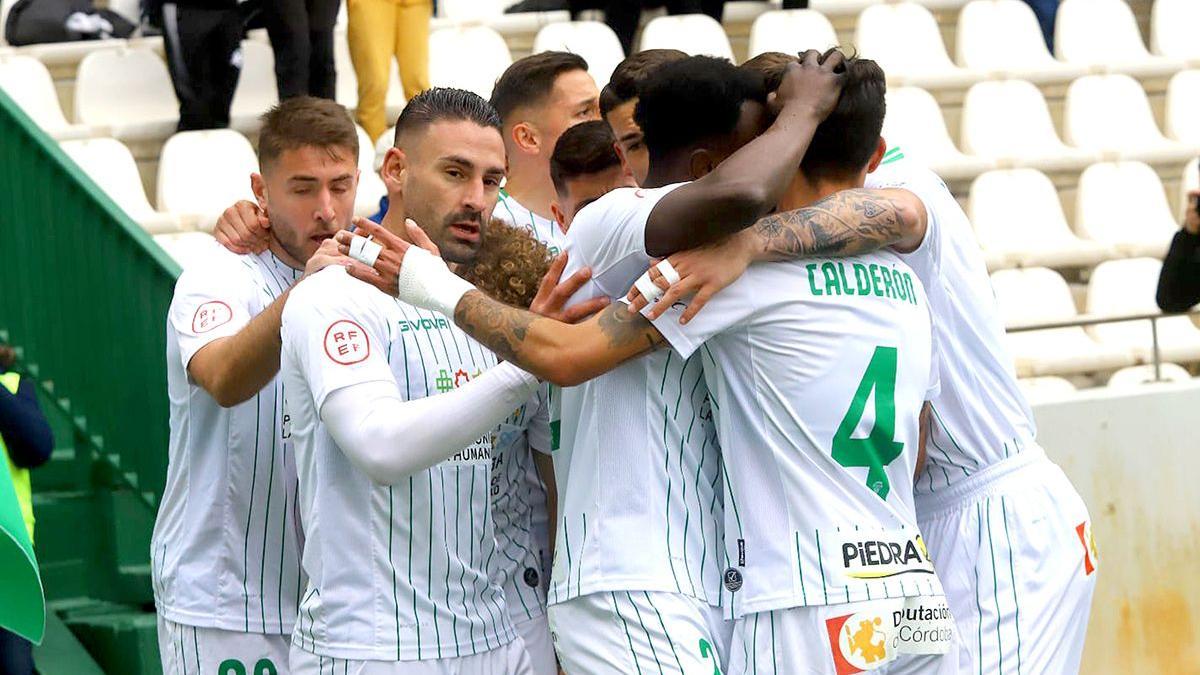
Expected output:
(610, 584)
(964, 491)
(487, 643)
(778, 603)
(238, 625)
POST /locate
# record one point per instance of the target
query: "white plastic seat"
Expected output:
(200, 173)
(1110, 114)
(1183, 107)
(1009, 122)
(1134, 377)
(370, 185)
(1017, 215)
(592, 40)
(914, 123)
(28, 83)
(1172, 33)
(386, 141)
(791, 31)
(5, 5)
(1003, 39)
(1125, 287)
(127, 91)
(256, 90)
(1046, 389)
(470, 57)
(110, 164)
(904, 38)
(1123, 204)
(1103, 35)
(186, 247)
(696, 34)
(1039, 295)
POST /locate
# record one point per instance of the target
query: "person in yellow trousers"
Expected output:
(380, 30)
(25, 442)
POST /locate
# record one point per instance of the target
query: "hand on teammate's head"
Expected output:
(814, 82)
(243, 228)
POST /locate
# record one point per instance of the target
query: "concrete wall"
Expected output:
(1136, 461)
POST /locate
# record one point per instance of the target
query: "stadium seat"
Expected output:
(1009, 122)
(28, 83)
(370, 185)
(112, 167)
(914, 122)
(1046, 389)
(1003, 39)
(1104, 35)
(5, 5)
(904, 38)
(592, 40)
(347, 80)
(1183, 107)
(256, 91)
(200, 173)
(1127, 287)
(490, 13)
(1139, 376)
(185, 246)
(1110, 114)
(791, 31)
(468, 57)
(1018, 217)
(1039, 295)
(1172, 29)
(1190, 180)
(692, 33)
(1123, 204)
(127, 91)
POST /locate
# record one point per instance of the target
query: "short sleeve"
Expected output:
(338, 339)
(211, 301)
(934, 389)
(538, 429)
(727, 308)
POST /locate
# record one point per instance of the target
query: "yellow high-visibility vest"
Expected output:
(20, 477)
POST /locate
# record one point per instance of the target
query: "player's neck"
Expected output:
(286, 258)
(667, 172)
(529, 184)
(802, 193)
(393, 220)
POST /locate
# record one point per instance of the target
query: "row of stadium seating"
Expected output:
(1051, 388)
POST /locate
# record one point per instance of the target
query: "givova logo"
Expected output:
(435, 323)
(859, 642)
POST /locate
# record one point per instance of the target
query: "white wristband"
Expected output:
(425, 281)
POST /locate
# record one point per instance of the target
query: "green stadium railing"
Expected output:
(84, 293)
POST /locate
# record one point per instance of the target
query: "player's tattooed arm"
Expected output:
(845, 223)
(562, 353)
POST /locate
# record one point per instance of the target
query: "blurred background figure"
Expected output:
(203, 43)
(26, 443)
(380, 30)
(1179, 281)
(623, 15)
(1045, 10)
(301, 34)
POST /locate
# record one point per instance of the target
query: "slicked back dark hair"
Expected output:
(444, 103)
(629, 75)
(528, 81)
(689, 101)
(582, 150)
(843, 144)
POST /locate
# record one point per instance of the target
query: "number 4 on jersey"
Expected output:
(879, 448)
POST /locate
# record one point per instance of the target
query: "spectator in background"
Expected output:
(1045, 11)
(25, 443)
(302, 36)
(1179, 282)
(203, 42)
(623, 15)
(379, 31)
(795, 4)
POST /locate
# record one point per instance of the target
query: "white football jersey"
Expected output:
(403, 572)
(981, 416)
(818, 371)
(225, 548)
(519, 507)
(544, 230)
(638, 465)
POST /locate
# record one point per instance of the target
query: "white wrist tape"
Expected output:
(364, 250)
(647, 288)
(668, 271)
(426, 282)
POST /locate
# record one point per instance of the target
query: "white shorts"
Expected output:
(840, 639)
(625, 632)
(535, 633)
(1013, 548)
(190, 650)
(509, 659)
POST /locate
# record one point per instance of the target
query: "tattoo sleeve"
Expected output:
(845, 223)
(499, 327)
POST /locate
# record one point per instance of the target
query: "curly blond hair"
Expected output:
(510, 264)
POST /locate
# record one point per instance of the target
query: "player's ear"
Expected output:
(525, 137)
(877, 156)
(701, 163)
(394, 170)
(258, 185)
(560, 216)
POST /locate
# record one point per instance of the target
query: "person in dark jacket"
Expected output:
(623, 15)
(203, 43)
(26, 443)
(301, 34)
(1179, 282)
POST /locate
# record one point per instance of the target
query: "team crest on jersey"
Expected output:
(1091, 557)
(733, 580)
(531, 577)
(882, 555)
(211, 315)
(860, 642)
(346, 343)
